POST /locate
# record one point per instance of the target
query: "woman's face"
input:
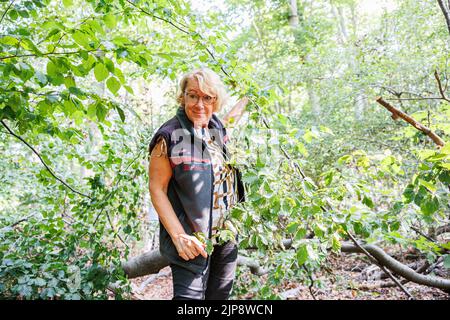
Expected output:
(197, 104)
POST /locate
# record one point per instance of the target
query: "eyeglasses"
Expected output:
(193, 98)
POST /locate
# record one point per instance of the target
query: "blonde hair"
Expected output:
(209, 82)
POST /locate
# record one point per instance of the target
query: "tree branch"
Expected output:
(397, 267)
(442, 229)
(43, 162)
(441, 90)
(47, 54)
(414, 99)
(4, 13)
(399, 114)
(446, 13)
(152, 261)
(376, 261)
(157, 17)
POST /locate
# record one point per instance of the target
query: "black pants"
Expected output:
(215, 284)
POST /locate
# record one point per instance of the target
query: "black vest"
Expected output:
(190, 189)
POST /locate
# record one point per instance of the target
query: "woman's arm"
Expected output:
(160, 173)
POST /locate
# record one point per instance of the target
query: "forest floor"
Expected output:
(349, 277)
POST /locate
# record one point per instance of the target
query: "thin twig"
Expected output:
(310, 287)
(22, 220)
(422, 234)
(4, 13)
(441, 90)
(157, 17)
(48, 53)
(428, 238)
(413, 99)
(42, 161)
(374, 260)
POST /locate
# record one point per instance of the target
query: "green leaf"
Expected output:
(445, 177)
(81, 38)
(101, 111)
(92, 111)
(292, 227)
(67, 3)
(69, 82)
(27, 44)
(69, 107)
(302, 254)
(301, 234)
(409, 193)
(41, 78)
(428, 185)
(301, 148)
(110, 21)
(40, 282)
(113, 85)
(8, 40)
(52, 69)
(368, 202)
(420, 195)
(13, 14)
(101, 72)
(430, 206)
(447, 261)
(129, 89)
(121, 113)
(336, 243)
(25, 290)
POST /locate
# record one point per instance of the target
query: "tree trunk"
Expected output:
(293, 13)
(446, 11)
(151, 262)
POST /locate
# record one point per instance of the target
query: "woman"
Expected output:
(192, 188)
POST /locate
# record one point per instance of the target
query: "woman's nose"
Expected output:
(200, 103)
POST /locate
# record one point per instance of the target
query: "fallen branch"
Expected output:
(378, 262)
(254, 266)
(291, 293)
(398, 267)
(147, 263)
(400, 114)
(378, 285)
(442, 229)
(152, 262)
(151, 279)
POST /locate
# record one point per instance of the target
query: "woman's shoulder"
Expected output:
(165, 131)
(171, 124)
(217, 122)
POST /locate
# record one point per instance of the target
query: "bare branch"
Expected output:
(377, 262)
(446, 13)
(4, 13)
(441, 90)
(400, 114)
(43, 162)
(47, 54)
(157, 17)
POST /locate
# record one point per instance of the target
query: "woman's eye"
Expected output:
(193, 96)
(207, 98)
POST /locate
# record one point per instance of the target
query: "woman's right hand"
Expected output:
(189, 247)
